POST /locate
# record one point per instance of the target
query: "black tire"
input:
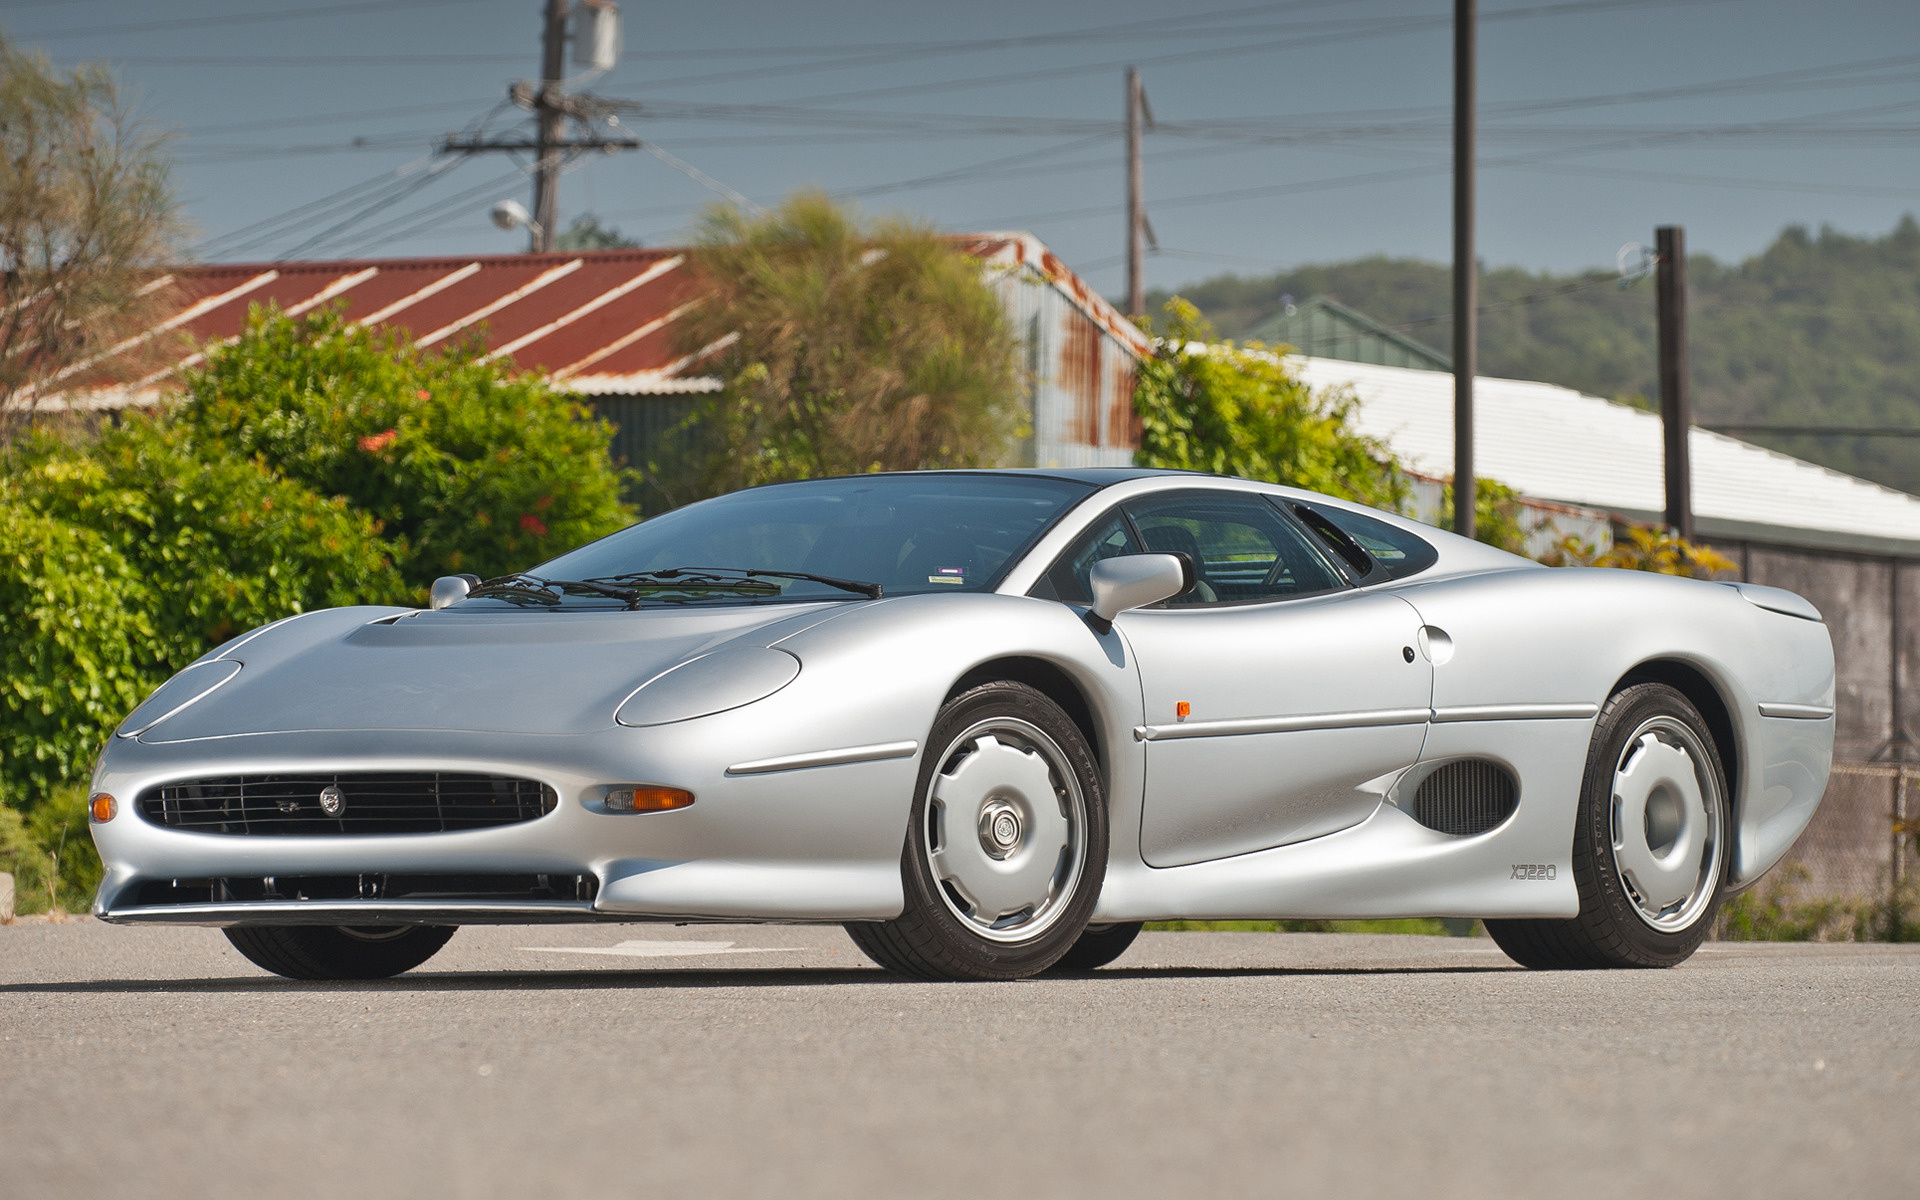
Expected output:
(1098, 946)
(1614, 928)
(338, 952)
(936, 936)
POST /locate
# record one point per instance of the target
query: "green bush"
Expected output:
(464, 466)
(73, 629)
(1239, 411)
(222, 544)
(1499, 518)
(49, 852)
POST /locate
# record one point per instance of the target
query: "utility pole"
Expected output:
(1466, 283)
(549, 114)
(1139, 231)
(597, 42)
(1676, 406)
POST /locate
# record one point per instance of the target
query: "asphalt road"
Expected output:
(772, 1061)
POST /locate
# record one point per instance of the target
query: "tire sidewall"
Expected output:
(982, 957)
(1593, 858)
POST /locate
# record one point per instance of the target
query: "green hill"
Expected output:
(1816, 330)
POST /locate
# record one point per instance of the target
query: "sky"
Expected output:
(1285, 133)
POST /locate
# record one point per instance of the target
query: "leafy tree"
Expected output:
(587, 233)
(1238, 411)
(846, 346)
(463, 466)
(86, 219)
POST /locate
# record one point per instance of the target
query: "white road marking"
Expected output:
(645, 949)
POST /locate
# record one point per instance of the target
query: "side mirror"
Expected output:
(451, 589)
(1135, 581)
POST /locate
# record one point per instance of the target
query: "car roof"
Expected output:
(1098, 477)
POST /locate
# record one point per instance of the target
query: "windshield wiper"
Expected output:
(517, 585)
(871, 591)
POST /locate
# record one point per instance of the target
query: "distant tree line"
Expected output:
(1818, 329)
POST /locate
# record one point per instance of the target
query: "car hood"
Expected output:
(484, 671)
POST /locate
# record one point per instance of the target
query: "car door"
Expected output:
(1274, 691)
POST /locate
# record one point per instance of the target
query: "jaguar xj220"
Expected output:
(990, 721)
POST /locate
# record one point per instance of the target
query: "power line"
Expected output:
(1378, 27)
(376, 205)
(436, 214)
(1764, 185)
(981, 125)
(309, 60)
(243, 18)
(1868, 431)
(312, 210)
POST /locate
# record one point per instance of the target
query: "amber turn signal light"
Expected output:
(102, 805)
(647, 799)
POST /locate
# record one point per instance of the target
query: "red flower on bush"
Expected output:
(374, 442)
(533, 525)
(424, 394)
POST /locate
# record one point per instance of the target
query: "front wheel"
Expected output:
(338, 952)
(1650, 845)
(1006, 846)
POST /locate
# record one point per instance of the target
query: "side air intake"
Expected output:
(1466, 797)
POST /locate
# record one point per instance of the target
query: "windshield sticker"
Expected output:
(949, 575)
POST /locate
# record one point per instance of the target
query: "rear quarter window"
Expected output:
(1398, 551)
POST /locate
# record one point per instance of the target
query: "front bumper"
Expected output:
(818, 844)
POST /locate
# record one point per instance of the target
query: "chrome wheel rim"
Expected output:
(1005, 834)
(1667, 824)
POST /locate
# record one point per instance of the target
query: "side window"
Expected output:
(1241, 548)
(1401, 553)
(1067, 579)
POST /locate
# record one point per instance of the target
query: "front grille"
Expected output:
(370, 803)
(1465, 798)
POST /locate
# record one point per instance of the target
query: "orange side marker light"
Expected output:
(102, 806)
(1182, 710)
(647, 798)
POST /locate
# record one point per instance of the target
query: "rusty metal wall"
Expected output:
(1080, 377)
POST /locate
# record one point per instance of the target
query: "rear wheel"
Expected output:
(1006, 846)
(338, 952)
(1650, 846)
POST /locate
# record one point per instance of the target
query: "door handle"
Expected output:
(1435, 644)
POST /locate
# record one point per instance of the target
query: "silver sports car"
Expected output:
(991, 721)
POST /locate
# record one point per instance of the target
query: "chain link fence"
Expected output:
(1853, 875)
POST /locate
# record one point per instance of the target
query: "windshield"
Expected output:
(909, 533)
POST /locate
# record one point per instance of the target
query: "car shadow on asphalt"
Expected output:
(666, 977)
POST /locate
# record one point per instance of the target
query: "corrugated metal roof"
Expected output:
(597, 322)
(1556, 444)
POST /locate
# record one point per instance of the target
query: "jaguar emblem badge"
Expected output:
(333, 801)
